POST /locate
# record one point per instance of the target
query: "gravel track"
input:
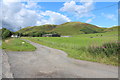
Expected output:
(47, 62)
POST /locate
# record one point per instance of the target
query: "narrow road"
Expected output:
(0, 60)
(47, 62)
(0, 64)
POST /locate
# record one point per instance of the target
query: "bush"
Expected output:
(107, 49)
(6, 33)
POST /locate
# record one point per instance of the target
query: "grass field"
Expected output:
(15, 44)
(77, 46)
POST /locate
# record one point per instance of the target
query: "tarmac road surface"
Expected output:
(0, 64)
(47, 62)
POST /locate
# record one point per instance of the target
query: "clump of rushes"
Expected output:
(107, 49)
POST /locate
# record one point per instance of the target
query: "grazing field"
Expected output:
(16, 44)
(91, 47)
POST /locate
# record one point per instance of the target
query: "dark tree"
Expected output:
(6, 33)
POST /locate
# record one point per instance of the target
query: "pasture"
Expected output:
(79, 46)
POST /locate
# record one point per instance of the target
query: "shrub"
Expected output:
(6, 33)
(107, 49)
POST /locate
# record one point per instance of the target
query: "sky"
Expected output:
(16, 15)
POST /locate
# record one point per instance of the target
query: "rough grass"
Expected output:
(77, 47)
(15, 44)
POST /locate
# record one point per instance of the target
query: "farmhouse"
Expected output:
(50, 35)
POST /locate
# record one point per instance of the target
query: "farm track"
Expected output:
(47, 62)
(0, 64)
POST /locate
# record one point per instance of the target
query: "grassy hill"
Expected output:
(114, 28)
(37, 29)
(69, 28)
(76, 28)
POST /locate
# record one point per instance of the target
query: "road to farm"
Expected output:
(47, 62)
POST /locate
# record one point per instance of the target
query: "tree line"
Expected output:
(5, 33)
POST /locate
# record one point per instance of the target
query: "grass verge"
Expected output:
(16, 44)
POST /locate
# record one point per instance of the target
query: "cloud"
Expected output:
(4, 1)
(54, 18)
(17, 14)
(8, 16)
(109, 16)
(32, 5)
(90, 20)
(26, 18)
(79, 10)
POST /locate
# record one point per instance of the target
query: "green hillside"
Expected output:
(69, 28)
(76, 28)
(114, 28)
(37, 29)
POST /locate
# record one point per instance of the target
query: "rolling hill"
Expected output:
(75, 28)
(69, 28)
(114, 28)
(35, 29)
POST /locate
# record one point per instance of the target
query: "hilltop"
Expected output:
(34, 29)
(75, 28)
(69, 28)
(37, 30)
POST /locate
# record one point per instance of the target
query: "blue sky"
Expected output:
(100, 19)
(24, 14)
